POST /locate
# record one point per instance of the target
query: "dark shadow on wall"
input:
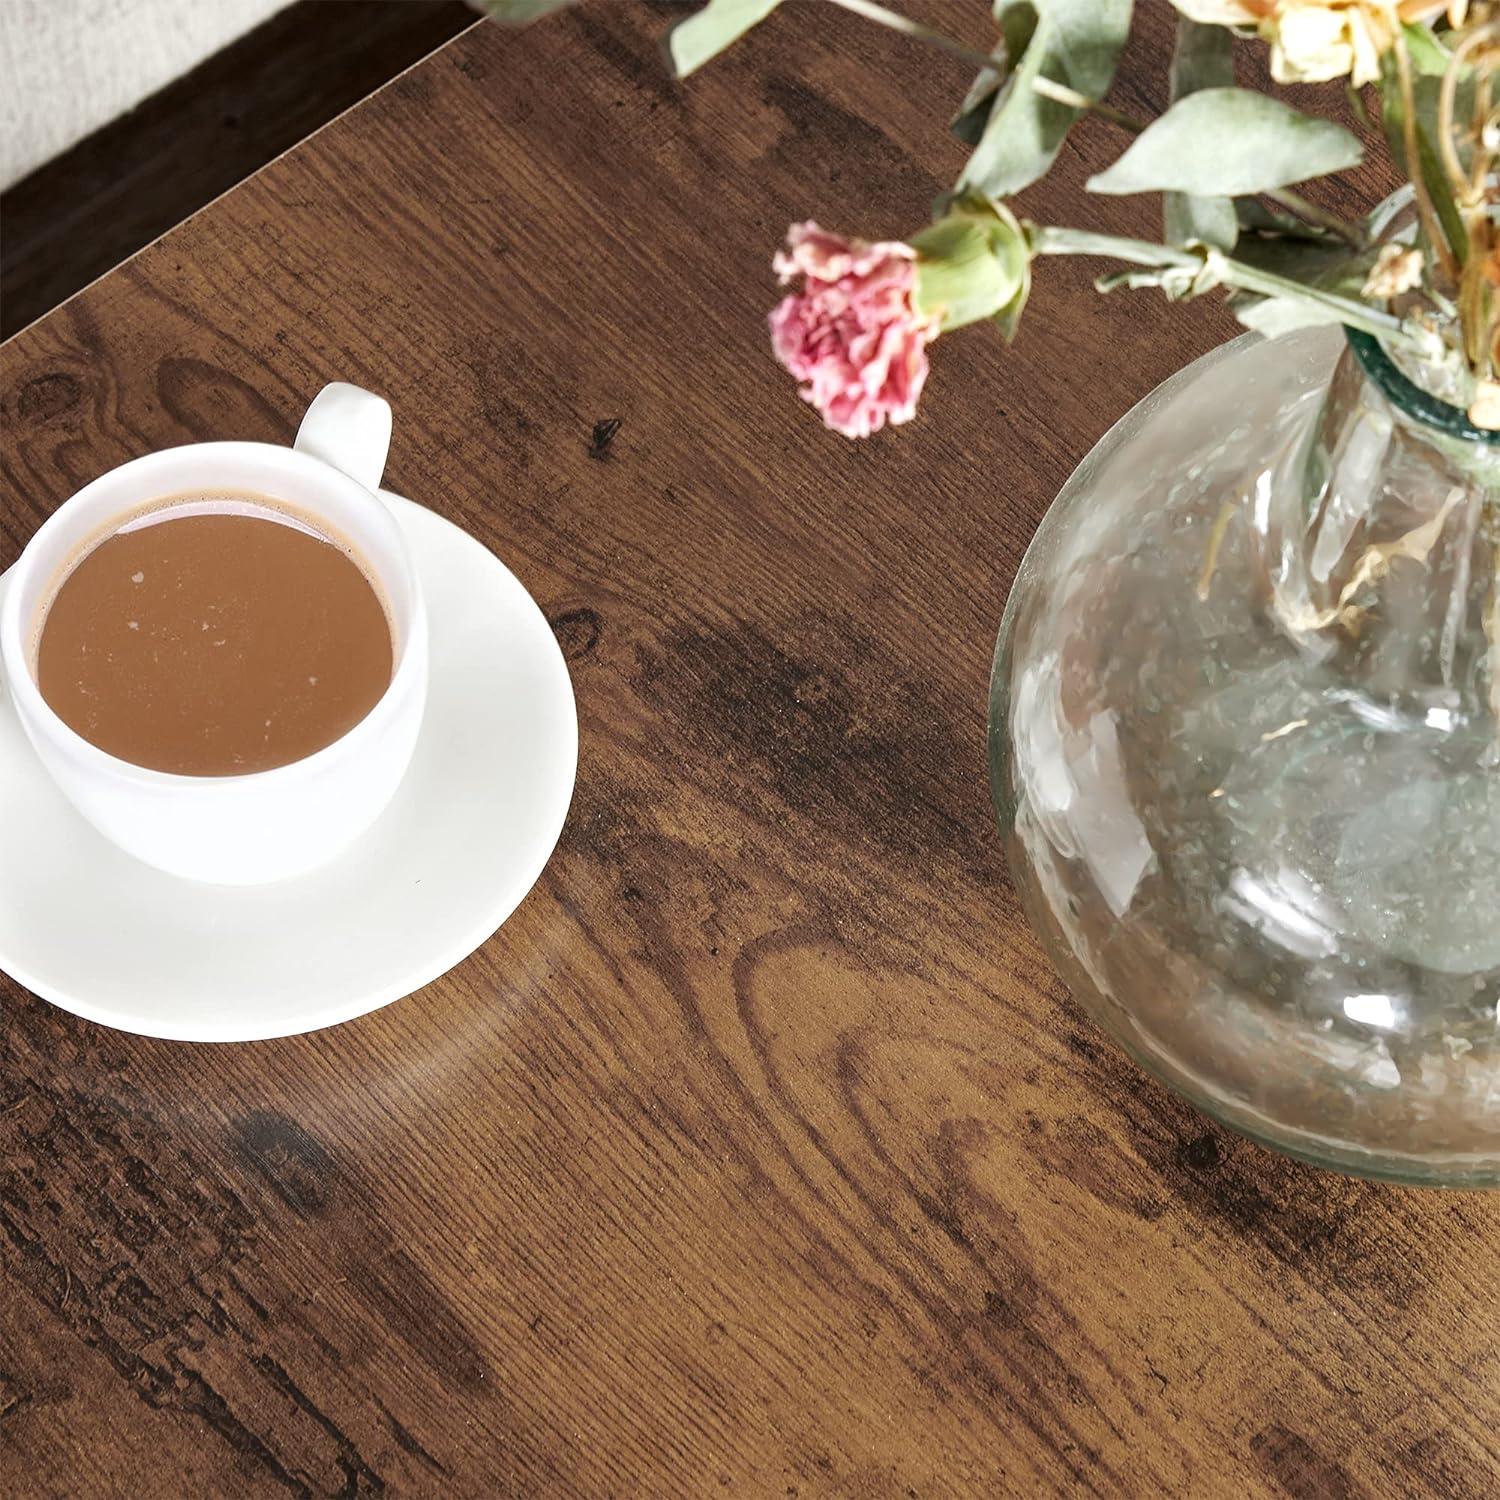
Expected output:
(85, 211)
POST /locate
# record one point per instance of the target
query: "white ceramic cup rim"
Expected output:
(14, 636)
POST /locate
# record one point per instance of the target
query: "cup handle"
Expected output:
(350, 429)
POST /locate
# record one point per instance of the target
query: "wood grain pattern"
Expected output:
(760, 1153)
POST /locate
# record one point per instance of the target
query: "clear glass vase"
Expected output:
(1245, 748)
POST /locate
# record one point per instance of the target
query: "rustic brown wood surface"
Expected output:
(761, 1152)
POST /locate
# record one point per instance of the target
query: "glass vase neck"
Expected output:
(1380, 537)
(1406, 396)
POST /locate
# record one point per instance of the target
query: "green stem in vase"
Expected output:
(1062, 94)
(1061, 240)
(1048, 88)
(1297, 204)
(897, 22)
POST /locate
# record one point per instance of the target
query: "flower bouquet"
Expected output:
(1224, 159)
(1245, 707)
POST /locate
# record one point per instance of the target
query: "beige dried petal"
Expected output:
(1370, 33)
(1309, 44)
(1374, 563)
(1313, 41)
(1224, 12)
(1397, 269)
(1484, 409)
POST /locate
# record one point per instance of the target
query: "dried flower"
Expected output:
(1429, 10)
(1484, 409)
(1397, 269)
(857, 332)
(852, 334)
(1313, 41)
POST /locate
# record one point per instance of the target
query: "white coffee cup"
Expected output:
(238, 830)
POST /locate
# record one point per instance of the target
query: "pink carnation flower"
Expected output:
(852, 335)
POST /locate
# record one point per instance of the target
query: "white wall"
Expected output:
(69, 66)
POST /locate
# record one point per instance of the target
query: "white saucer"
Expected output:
(90, 929)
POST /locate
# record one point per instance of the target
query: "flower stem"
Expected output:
(1458, 179)
(1355, 314)
(1048, 239)
(1062, 94)
(1297, 204)
(1436, 235)
(897, 22)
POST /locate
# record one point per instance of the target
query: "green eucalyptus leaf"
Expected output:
(1329, 266)
(1017, 25)
(1428, 55)
(974, 113)
(1017, 20)
(1009, 316)
(519, 12)
(1262, 219)
(1326, 262)
(1426, 92)
(1075, 43)
(1189, 219)
(704, 35)
(1203, 59)
(1224, 142)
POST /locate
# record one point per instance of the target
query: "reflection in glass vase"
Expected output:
(1245, 744)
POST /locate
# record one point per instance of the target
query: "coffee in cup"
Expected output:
(214, 635)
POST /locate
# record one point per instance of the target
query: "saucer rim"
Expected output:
(421, 974)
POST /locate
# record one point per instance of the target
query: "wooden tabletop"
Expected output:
(761, 1152)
